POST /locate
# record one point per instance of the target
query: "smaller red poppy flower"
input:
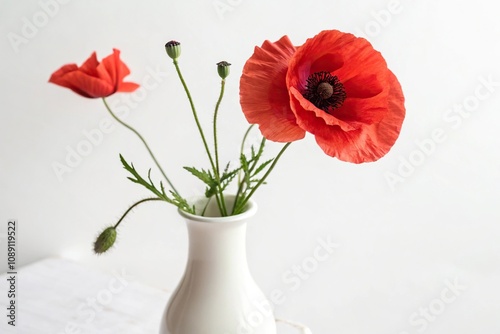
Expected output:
(94, 79)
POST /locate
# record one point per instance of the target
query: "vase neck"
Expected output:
(218, 242)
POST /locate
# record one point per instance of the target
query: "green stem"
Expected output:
(216, 150)
(241, 205)
(240, 183)
(237, 197)
(195, 115)
(144, 142)
(243, 147)
(200, 130)
(261, 148)
(222, 84)
(134, 205)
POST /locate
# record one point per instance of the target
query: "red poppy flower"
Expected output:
(335, 86)
(94, 79)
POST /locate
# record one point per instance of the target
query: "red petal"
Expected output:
(312, 119)
(370, 142)
(90, 66)
(320, 53)
(89, 86)
(117, 71)
(64, 77)
(108, 68)
(362, 59)
(263, 93)
(328, 63)
(366, 102)
(59, 76)
(128, 87)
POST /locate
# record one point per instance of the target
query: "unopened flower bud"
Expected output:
(223, 69)
(173, 49)
(105, 240)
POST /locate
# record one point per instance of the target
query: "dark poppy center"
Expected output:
(325, 91)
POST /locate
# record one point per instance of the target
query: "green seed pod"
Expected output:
(223, 69)
(173, 49)
(105, 240)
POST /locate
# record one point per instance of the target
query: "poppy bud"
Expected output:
(173, 49)
(105, 240)
(223, 69)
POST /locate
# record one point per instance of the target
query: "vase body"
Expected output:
(217, 294)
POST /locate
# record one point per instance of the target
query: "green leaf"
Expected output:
(207, 178)
(203, 175)
(138, 179)
(181, 203)
(176, 199)
(262, 166)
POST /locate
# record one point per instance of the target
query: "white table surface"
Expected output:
(59, 296)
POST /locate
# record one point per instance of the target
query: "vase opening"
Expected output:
(210, 210)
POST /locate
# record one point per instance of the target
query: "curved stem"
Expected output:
(222, 84)
(134, 205)
(216, 150)
(143, 141)
(240, 183)
(195, 115)
(245, 200)
(261, 148)
(245, 137)
(243, 147)
(200, 130)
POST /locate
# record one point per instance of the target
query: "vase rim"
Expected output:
(249, 211)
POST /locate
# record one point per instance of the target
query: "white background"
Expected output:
(401, 244)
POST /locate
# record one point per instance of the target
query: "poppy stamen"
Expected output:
(325, 91)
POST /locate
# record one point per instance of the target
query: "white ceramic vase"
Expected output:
(217, 294)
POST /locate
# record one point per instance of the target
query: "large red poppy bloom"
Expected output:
(335, 86)
(94, 79)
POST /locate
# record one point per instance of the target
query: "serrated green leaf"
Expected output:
(262, 166)
(203, 175)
